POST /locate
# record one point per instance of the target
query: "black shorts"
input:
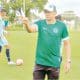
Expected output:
(41, 71)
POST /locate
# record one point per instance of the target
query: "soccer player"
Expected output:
(51, 34)
(3, 41)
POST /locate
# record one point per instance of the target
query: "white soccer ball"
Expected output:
(19, 62)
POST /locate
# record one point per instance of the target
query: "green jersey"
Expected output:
(49, 43)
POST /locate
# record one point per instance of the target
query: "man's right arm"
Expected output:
(29, 28)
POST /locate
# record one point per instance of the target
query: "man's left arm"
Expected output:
(68, 54)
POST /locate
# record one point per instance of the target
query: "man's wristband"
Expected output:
(69, 61)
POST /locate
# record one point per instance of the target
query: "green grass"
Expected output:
(23, 46)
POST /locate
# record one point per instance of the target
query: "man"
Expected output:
(58, 17)
(50, 35)
(3, 41)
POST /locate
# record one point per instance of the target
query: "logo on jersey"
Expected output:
(55, 30)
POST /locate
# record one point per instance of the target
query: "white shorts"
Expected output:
(3, 41)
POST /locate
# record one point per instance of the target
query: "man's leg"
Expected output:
(39, 75)
(39, 72)
(8, 53)
(0, 50)
(53, 74)
(5, 43)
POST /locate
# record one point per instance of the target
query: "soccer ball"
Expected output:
(19, 62)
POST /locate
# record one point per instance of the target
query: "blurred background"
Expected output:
(23, 44)
(33, 9)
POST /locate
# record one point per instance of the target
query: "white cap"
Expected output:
(50, 7)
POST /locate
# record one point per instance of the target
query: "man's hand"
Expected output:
(30, 28)
(67, 66)
(25, 20)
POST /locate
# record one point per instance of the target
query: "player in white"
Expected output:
(3, 41)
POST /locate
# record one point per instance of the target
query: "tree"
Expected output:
(29, 4)
(18, 4)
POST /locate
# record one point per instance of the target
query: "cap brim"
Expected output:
(46, 11)
(49, 10)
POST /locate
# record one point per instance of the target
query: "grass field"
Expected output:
(23, 46)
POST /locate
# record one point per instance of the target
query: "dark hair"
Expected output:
(59, 17)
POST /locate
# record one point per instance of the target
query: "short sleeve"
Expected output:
(37, 23)
(65, 34)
